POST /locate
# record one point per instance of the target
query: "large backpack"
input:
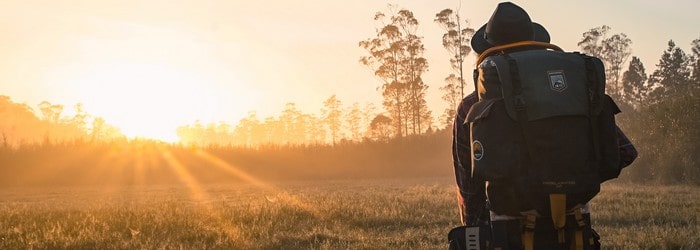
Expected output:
(543, 133)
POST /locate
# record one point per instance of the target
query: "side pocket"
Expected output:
(609, 165)
(495, 140)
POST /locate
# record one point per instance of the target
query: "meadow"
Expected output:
(344, 214)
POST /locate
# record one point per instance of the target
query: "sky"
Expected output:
(150, 66)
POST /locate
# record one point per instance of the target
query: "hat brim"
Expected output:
(479, 43)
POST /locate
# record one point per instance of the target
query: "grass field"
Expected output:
(371, 214)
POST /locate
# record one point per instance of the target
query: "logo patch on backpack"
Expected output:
(478, 150)
(557, 80)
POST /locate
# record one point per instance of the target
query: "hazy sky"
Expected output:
(169, 62)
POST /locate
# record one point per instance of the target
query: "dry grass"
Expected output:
(385, 214)
(641, 217)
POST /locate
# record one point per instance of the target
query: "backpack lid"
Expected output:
(553, 83)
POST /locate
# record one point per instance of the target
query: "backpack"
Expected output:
(542, 134)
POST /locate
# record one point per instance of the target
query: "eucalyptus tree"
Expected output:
(452, 96)
(456, 41)
(332, 116)
(353, 118)
(613, 51)
(395, 55)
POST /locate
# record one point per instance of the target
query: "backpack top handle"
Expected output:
(500, 48)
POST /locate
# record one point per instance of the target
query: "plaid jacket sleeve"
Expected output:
(627, 151)
(471, 196)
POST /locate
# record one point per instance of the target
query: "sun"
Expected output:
(147, 100)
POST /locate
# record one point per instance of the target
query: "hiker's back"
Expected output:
(543, 138)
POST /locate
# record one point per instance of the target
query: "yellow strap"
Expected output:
(557, 205)
(529, 240)
(578, 240)
(528, 237)
(492, 50)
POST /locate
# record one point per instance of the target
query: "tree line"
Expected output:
(21, 124)
(661, 109)
(335, 123)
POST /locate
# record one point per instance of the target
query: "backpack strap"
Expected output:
(509, 74)
(528, 235)
(594, 103)
(557, 203)
(577, 243)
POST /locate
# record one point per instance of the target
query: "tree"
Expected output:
(79, 120)
(613, 51)
(452, 97)
(396, 56)
(248, 131)
(315, 130)
(426, 118)
(616, 50)
(416, 66)
(456, 41)
(380, 128)
(51, 112)
(291, 125)
(695, 77)
(275, 131)
(634, 81)
(19, 123)
(672, 76)
(332, 114)
(591, 41)
(354, 119)
(370, 111)
(102, 131)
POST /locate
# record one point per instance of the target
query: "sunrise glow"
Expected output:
(148, 100)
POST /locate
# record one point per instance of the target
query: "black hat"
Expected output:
(508, 24)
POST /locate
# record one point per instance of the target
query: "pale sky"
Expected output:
(169, 62)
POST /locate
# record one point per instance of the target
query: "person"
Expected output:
(508, 24)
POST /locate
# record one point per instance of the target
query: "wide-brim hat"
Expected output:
(508, 24)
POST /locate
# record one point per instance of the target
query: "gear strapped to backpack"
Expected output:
(542, 135)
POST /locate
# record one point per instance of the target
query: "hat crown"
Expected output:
(509, 23)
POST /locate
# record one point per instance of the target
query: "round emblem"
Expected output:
(477, 150)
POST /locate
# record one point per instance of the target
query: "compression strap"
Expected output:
(528, 235)
(577, 243)
(557, 204)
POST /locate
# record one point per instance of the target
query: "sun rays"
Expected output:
(237, 172)
(121, 170)
(201, 197)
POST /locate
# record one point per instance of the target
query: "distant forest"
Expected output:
(661, 115)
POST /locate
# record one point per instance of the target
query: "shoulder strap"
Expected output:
(504, 47)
